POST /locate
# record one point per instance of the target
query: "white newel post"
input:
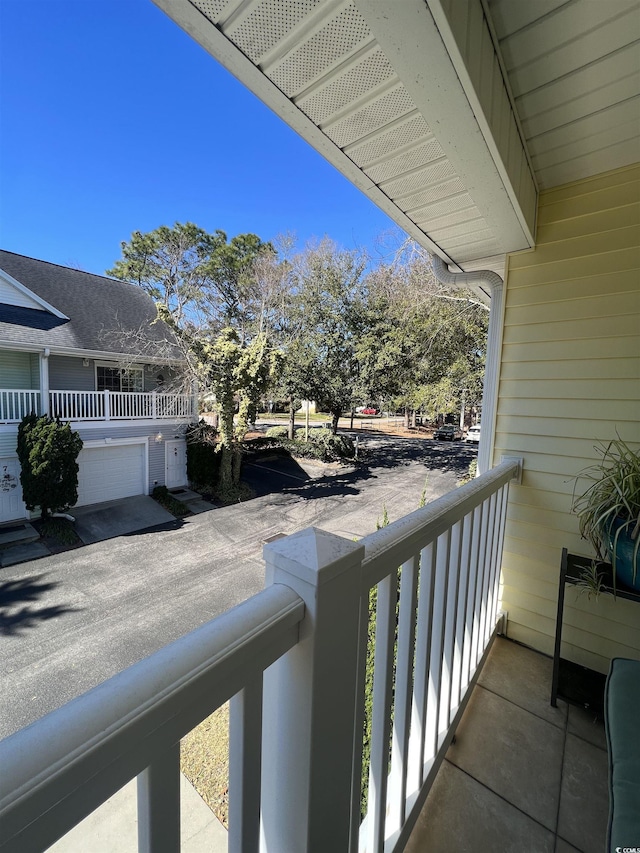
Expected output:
(107, 412)
(310, 698)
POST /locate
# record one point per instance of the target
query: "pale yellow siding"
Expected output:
(570, 375)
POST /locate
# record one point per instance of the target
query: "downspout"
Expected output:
(491, 281)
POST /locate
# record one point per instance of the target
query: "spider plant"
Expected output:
(590, 580)
(608, 509)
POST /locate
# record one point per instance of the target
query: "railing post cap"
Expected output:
(313, 555)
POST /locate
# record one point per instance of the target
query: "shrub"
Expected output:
(277, 432)
(203, 458)
(48, 452)
(163, 496)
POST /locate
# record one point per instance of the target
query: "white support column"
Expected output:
(310, 697)
(45, 407)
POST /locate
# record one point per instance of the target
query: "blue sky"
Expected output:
(113, 120)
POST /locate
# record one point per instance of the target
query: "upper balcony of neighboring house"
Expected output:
(102, 390)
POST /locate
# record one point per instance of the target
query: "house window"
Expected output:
(118, 379)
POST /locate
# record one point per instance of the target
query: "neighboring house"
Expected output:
(84, 348)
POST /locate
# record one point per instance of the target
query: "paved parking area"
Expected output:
(71, 620)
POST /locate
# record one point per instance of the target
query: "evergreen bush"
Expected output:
(48, 452)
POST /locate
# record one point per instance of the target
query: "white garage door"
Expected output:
(109, 472)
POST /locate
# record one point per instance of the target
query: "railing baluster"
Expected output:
(421, 678)
(462, 628)
(479, 521)
(488, 572)
(501, 522)
(381, 714)
(403, 691)
(437, 644)
(245, 763)
(453, 575)
(159, 804)
(356, 767)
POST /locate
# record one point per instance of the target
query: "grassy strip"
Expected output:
(204, 760)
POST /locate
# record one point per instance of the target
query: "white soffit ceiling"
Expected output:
(574, 71)
(371, 86)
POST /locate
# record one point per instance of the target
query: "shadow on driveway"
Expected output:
(15, 592)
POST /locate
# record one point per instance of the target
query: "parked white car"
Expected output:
(474, 434)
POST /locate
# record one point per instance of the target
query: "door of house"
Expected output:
(11, 505)
(176, 463)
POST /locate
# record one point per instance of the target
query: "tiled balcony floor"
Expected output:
(521, 776)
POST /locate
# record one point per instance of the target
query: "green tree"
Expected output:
(203, 279)
(418, 348)
(208, 292)
(326, 311)
(48, 452)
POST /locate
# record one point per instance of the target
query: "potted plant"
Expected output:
(609, 509)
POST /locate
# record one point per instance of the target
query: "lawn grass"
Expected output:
(204, 760)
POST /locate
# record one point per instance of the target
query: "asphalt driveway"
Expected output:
(71, 620)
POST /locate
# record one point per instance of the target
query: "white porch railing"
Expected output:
(296, 742)
(77, 406)
(15, 404)
(119, 405)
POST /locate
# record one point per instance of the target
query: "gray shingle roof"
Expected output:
(104, 314)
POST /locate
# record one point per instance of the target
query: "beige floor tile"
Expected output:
(513, 752)
(523, 677)
(463, 816)
(584, 799)
(586, 725)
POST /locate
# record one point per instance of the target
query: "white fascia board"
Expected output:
(410, 39)
(42, 303)
(88, 353)
(200, 28)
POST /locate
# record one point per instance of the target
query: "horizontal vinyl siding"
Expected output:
(67, 373)
(16, 370)
(570, 376)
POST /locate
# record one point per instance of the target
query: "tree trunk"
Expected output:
(335, 417)
(406, 417)
(292, 418)
(353, 411)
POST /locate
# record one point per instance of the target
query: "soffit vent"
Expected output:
(211, 8)
(420, 156)
(339, 37)
(388, 142)
(371, 72)
(429, 175)
(443, 208)
(423, 197)
(265, 27)
(371, 117)
(469, 214)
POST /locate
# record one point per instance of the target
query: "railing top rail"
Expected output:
(100, 740)
(400, 540)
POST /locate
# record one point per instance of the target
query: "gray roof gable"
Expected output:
(105, 315)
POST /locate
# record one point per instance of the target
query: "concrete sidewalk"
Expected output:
(113, 827)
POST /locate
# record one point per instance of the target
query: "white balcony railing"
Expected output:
(293, 658)
(119, 405)
(16, 404)
(78, 406)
